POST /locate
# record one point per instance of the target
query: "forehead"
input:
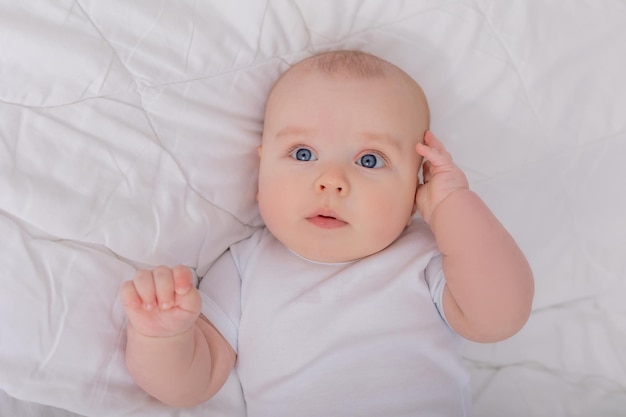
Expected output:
(309, 98)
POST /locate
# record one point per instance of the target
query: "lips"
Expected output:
(326, 219)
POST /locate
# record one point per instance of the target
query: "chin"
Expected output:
(332, 248)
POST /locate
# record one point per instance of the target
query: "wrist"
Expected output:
(452, 197)
(133, 331)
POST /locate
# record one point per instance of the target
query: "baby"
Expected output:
(341, 305)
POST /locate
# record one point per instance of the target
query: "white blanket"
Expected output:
(128, 134)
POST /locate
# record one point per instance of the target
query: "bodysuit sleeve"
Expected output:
(220, 290)
(436, 283)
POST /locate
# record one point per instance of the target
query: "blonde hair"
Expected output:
(349, 62)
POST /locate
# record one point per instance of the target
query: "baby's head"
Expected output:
(339, 170)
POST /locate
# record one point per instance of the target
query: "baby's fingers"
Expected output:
(129, 297)
(431, 140)
(426, 171)
(187, 296)
(183, 279)
(164, 287)
(433, 150)
(146, 290)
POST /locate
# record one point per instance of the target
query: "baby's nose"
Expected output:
(332, 181)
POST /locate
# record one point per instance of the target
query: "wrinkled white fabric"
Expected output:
(128, 139)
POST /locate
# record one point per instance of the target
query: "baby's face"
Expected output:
(338, 169)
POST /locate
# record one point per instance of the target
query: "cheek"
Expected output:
(275, 195)
(266, 196)
(391, 210)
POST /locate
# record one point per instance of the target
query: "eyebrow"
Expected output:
(366, 136)
(294, 131)
(382, 137)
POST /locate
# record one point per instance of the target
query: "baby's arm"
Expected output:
(172, 352)
(489, 284)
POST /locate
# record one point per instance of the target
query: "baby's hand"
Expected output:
(441, 176)
(162, 302)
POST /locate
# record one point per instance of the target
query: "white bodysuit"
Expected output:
(362, 338)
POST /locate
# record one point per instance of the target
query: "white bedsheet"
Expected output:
(128, 138)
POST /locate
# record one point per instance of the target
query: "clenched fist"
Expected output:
(162, 302)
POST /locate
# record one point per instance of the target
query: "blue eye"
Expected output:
(370, 160)
(303, 154)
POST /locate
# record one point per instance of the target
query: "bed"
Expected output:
(128, 139)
